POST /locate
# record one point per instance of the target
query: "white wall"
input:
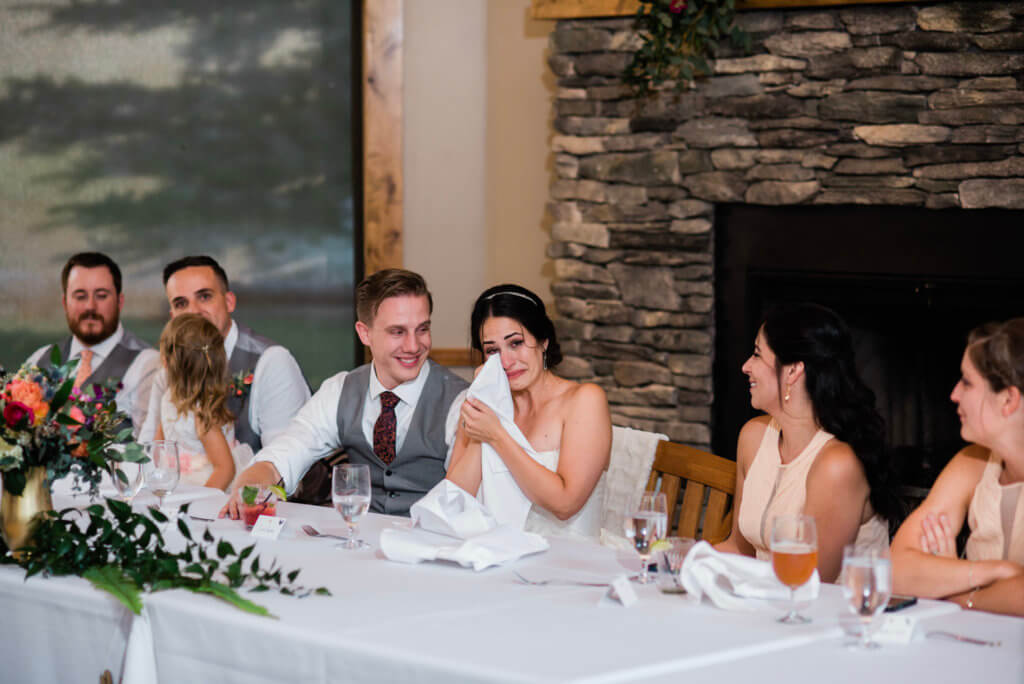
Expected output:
(476, 103)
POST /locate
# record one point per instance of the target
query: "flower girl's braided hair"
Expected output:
(192, 351)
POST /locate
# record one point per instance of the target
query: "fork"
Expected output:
(965, 639)
(541, 583)
(313, 532)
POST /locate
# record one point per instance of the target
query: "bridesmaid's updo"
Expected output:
(521, 305)
(997, 351)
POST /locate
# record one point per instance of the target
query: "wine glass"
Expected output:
(866, 579)
(350, 494)
(794, 546)
(163, 470)
(127, 479)
(644, 526)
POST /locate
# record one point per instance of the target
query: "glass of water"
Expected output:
(350, 494)
(866, 579)
(644, 526)
(127, 479)
(163, 471)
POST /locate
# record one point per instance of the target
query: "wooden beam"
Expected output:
(581, 9)
(456, 357)
(382, 134)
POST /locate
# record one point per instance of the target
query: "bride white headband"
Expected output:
(513, 294)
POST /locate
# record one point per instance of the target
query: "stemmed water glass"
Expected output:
(794, 546)
(127, 478)
(163, 470)
(644, 526)
(350, 494)
(866, 579)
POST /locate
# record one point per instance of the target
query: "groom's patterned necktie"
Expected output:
(384, 429)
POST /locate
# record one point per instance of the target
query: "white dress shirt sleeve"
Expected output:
(36, 355)
(158, 384)
(133, 399)
(451, 425)
(279, 390)
(311, 434)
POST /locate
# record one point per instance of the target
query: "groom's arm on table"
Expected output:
(311, 435)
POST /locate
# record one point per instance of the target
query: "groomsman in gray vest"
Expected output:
(276, 388)
(92, 298)
(397, 414)
(105, 349)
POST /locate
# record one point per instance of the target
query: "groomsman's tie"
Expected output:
(84, 367)
(384, 429)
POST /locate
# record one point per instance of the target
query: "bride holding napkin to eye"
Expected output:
(533, 447)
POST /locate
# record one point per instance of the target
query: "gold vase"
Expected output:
(18, 513)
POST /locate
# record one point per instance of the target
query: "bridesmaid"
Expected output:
(818, 450)
(981, 486)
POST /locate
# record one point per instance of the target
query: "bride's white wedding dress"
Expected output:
(586, 522)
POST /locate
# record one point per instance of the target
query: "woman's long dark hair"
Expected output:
(843, 405)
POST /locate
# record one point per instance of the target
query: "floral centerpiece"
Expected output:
(50, 429)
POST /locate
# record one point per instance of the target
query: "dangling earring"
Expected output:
(544, 358)
(786, 396)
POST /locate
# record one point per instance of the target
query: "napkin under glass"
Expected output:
(735, 582)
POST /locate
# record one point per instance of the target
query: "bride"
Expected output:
(567, 423)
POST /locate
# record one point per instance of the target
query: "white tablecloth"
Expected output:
(439, 622)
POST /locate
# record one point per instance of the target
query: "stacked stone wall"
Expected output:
(919, 105)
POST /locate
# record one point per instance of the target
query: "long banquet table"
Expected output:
(437, 622)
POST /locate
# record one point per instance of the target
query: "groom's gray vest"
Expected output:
(419, 464)
(247, 352)
(113, 367)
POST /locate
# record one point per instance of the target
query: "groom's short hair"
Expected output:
(90, 260)
(391, 282)
(201, 260)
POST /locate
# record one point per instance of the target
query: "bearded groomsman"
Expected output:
(92, 299)
(273, 388)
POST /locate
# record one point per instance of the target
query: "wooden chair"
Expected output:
(706, 476)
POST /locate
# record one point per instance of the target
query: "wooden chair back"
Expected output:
(705, 476)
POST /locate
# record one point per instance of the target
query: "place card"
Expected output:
(895, 629)
(622, 591)
(268, 527)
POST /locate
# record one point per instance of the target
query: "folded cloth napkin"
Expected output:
(499, 491)
(735, 582)
(452, 525)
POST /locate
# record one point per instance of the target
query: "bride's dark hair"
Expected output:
(843, 405)
(519, 304)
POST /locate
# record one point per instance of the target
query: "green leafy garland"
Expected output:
(124, 553)
(677, 39)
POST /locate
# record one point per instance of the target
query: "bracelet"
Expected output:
(970, 599)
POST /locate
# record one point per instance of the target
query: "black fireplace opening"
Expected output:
(910, 282)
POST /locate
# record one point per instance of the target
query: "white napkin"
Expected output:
(453, 525)
(735, 582)
(499, 491)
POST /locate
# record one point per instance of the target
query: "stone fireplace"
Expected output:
(902, 108)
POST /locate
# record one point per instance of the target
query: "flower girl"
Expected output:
(193, 409)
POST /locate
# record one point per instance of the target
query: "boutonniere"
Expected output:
(240, 385)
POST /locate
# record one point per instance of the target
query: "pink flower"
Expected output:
(78, 415)
(15, 412)
(676, 6)
(31, 395)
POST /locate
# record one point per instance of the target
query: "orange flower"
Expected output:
(30, 394)
(80, 451)
(77, 414)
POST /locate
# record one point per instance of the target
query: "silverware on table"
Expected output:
(199, 517)
(953, 636)
(572, 583)
(313, 532)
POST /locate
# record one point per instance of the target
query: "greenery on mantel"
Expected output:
(124, 553)
(677, 39)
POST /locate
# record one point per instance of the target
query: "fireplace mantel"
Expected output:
(582, 9)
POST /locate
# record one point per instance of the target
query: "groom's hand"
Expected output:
(260, 474)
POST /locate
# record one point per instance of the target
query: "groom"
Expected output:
(396, 414)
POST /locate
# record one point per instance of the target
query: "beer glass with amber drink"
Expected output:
(794, 547)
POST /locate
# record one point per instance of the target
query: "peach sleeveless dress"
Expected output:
(772, 488)
(996, 517)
